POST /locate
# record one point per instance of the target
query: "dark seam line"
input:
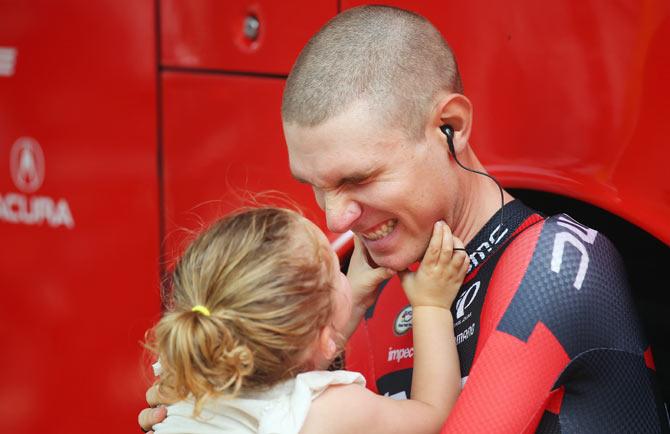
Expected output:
(208, 71)
(371, 310)
(159, 152)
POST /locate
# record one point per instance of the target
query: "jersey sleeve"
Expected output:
(561, 349)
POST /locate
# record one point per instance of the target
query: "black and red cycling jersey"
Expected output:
(546, 332)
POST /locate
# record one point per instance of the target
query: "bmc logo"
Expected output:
(26, 164)
(485, 248)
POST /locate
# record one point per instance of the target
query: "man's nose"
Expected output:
(341, 212)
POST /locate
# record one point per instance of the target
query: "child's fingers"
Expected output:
(383, 273)
(464, 266)
(359, 257)
(359, 248)
(461, 256)
(458, 244)
(405, 278)
(388, 272)
(435, 245)
(447, 250)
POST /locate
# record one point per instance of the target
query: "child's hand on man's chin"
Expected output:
(364, 278)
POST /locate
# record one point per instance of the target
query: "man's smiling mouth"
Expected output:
(380, 231)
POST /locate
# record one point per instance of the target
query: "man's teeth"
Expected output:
(383, 231)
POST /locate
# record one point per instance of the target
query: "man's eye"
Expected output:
(365, 181)
(356, 181)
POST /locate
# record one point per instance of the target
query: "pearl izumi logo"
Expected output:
(27, 169)
(466, 299)
(403, 322)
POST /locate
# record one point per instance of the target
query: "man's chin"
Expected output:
(394, 262)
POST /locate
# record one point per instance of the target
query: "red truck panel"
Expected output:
(570, 97)
(222, 138)
(210, 33)
(78, 264)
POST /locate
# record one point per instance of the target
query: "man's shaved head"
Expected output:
(394, 60)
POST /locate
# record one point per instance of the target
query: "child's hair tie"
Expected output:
(201, 309)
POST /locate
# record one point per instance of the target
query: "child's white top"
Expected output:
(280, 410)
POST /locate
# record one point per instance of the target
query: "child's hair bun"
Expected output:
(200, 355)
(228, 361)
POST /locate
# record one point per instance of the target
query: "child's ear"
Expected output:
(327, 344)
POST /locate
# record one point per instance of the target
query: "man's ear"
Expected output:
(452, 109)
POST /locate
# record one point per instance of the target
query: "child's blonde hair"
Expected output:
(265, 280)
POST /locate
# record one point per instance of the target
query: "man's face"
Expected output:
(372, 180)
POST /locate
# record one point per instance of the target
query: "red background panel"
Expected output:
(209, 33)
(222, 139)
(76, 301)
(570, 97)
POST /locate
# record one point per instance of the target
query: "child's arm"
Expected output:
(436, 379)
(431, 291)
(364, 281)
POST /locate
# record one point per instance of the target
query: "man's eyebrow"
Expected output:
(355, 178)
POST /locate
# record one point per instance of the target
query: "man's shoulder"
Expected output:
(560, 239)
(562, 252)
(575, 284)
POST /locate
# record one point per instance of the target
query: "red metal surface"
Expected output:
(570, 97)
(76, 300)
(222, 139)
(209, 33)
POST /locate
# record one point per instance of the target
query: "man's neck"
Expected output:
(480, 202)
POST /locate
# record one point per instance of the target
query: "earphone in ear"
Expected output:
(448, 131)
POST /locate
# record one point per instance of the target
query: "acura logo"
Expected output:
(26, 164)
